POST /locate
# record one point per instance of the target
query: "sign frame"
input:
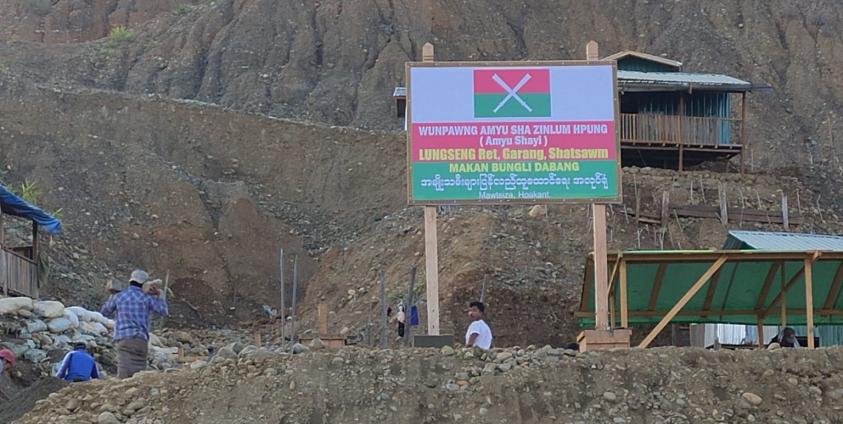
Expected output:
(521, 64)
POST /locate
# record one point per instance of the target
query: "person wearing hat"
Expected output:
(78, 365)
(7, 360)
(133, 308)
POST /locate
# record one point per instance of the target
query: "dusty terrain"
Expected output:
(211, 195)
(662, 385)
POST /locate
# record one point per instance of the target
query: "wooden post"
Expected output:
(408, 329)
(35, 242)
(369, 323)
(293, 300)
(162, 320)
(681, 138)
(257, 338)
(483, 289)
(4, 272)
(384, 307)
(724, 205)
(785, 218)
(683, 301)
(427, 52)
(431, 256)
(784, 303)
(283, 303)
(809, 301)
(760, 329)
(624, 306)
(431, 248)
(601, 278)
(598, 213)
(744, 144)
(323, 319)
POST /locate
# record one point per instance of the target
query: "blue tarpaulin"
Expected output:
(13, 205)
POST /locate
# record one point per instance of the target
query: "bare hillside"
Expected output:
(337, 62)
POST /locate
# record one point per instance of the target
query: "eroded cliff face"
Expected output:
(337, 61)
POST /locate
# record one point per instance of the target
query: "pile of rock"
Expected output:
(501, 361)
(41, 332)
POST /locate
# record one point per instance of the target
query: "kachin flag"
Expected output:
(508, 93)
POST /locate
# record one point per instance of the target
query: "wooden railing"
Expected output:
(18, 275)
(691, 131)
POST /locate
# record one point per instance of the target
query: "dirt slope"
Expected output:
(518, 386)
(207, 194)
(533, 263)
(337, 62)
(212, 195)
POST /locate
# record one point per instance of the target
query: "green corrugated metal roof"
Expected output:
(763, 240)
(682, 80)
(731, 296)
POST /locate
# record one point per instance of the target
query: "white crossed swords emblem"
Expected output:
(512, 92)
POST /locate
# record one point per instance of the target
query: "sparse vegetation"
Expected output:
(120, 34)
(31, 192)
(183, 9)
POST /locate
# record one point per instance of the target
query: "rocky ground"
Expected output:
(518, 385)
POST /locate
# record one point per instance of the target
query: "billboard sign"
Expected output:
(522, 132)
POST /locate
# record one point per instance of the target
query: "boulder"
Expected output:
(227, 353)
(18, 349)
(74, 320)
(98, 317)
(299, 348)
(35, 326)
(94, 328)
(197, 364)
(11, 305)
(107, 418)
(35, 355)
(263, 353)
(59, 325)
(60, 341)
(81, 313)
(155, 340)
(48, 309)
(236, 347)
(317, 344)
(248, 350)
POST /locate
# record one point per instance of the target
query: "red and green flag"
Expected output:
(507, 93)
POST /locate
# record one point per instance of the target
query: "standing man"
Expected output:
(479, 334)
(78, 365)
(131, 330)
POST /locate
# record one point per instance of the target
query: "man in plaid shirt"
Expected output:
(131, 330)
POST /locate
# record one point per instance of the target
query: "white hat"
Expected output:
(139, 276)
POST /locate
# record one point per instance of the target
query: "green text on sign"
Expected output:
(514, 181)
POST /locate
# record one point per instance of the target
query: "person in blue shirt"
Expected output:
(78, 365)
(133, 308)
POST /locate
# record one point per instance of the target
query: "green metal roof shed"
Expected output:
(722, 286)
(764, 240)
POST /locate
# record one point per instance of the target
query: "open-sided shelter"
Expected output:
(751, 287)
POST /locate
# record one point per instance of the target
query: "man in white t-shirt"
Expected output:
(479, 334)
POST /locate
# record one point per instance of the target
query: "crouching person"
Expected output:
(78, 365)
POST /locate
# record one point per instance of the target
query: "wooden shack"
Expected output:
(670, 118)
(19, 271)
